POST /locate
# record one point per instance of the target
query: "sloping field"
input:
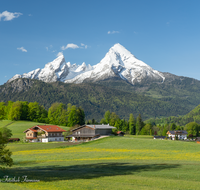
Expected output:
(18, 127)
(109, 163)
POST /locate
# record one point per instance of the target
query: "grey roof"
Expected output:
(178, 132)
(96, 127)
(101, 126)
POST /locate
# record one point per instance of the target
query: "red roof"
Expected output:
(51, 128)
(47, 128)
(118, 132)
(33, 130)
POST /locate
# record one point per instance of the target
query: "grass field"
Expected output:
(18, 127)
(109, 163)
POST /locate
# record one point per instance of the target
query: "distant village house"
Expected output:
(44, 133)
(180, 134)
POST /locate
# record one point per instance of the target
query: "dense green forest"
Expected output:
(192, 116)
(95, 99)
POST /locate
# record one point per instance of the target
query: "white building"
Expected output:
(181, 134)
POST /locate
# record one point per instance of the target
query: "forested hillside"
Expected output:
(95, 99)
(192, 116)
(182, 91)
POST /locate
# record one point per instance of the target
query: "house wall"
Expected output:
(103, 131)
(30, 134)
(180, 137)
(50, 139)
(55, 134)
(84, 130)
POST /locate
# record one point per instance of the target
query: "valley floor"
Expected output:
(109, 163)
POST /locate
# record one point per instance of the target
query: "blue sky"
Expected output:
(165, 34)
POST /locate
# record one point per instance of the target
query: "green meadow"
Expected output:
(18, 127)
(110, 163)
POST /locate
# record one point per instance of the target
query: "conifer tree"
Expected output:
(139, 124)
(132, 124)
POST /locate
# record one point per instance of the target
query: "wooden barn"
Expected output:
(89, 132)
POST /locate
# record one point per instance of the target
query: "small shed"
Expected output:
(198, 140)
(120, 133)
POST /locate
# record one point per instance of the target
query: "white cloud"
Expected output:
(9, 16)
(72, 46)
(22, 49)
(83, 45)
(113, 32)
(59, 54)
(30, 15)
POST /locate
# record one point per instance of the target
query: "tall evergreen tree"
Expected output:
(2, 110)
(132, 123)
(173, 126)
(81, 116)
(139, 124)
(24, 114)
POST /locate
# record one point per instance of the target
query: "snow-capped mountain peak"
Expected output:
(117, 62)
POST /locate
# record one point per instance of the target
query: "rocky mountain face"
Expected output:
(117, 62)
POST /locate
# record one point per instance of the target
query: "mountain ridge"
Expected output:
(118, 61)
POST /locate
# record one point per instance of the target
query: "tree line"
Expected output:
(132, 126)
(70, 115)
(139, 127)
(58, 113)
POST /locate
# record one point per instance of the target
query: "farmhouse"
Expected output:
(89, 132)
(44, 133)
(181, 134)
